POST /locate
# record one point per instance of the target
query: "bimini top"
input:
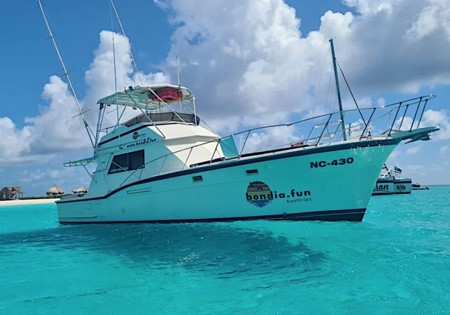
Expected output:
(149, 97)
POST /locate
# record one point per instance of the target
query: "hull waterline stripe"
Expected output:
(354, 215)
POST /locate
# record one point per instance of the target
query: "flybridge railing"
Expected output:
(361, 123)
(364, 123)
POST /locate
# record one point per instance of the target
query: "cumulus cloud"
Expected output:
(392, 52)
(271, 138)
(58, 127)
(248, 61)
(102, 77)
(373, 7)
(434, 17)
(55, 128)
(438, 118)
(243, 59)
(14, 143)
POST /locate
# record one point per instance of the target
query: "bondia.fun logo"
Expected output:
(259, 194)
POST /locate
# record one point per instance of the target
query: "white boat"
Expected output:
(390, 183)
(165, 166)
(417, 186)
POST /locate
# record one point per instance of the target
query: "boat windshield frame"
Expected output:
(156, 98)
(148, 97)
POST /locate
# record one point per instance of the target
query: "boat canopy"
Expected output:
(149, 97)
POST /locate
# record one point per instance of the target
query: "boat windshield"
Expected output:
(149, 97)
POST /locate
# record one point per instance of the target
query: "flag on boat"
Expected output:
(397, 170)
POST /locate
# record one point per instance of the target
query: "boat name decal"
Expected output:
(382, 187)
(336, 162)
(141, 142)
(259, 194)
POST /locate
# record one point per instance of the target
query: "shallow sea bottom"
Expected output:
(396, 261)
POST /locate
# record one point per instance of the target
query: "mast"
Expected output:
(338, 90)
(66, 74)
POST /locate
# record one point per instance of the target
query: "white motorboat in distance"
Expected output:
(417, 186)
(163, 165)
(390, 182)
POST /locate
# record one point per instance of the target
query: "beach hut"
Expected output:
(80, 191)
(10, 193)
(55, 191)
(5, 193)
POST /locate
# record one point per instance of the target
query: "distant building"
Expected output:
(11, 193)
(81, 191)
(55, 191)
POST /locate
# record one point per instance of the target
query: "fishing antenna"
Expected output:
(123, 32)
(333, 56)
(66, 74)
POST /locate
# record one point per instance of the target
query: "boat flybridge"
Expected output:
(164, 165)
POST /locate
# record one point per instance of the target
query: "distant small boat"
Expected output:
(417, 186)
(390, 183)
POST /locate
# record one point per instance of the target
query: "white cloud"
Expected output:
(438, 118)
(248, 62)
(102, 77)
(434, 17)
(271, 138)
(244, 59)
(371, 7)
(14, 143)
(59, 127)
(112, 65)
(47, 176)
(413, 150)
(55, 128)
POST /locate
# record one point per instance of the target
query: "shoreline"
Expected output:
(21, 202)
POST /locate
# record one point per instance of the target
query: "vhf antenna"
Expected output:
(66, 74)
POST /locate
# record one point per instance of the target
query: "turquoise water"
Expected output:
(396, 261)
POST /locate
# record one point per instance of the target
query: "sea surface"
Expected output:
(397, 261)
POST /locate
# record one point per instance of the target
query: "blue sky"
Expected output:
(231, 53)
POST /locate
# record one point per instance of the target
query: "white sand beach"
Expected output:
(20, 202)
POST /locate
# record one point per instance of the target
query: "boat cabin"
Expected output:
(156, 141)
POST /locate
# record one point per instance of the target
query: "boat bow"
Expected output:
(419, 134)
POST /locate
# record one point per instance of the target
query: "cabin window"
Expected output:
(252, 172)
(197, 178)
(127, 162)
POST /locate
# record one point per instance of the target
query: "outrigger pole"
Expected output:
(66, 74)
(338, 90)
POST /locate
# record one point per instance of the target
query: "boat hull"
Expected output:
(392, 186)
(331, 184)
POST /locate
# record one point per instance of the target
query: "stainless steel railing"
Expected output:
(365, 123)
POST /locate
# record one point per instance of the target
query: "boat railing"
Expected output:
(364, 123)
(361, 123)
